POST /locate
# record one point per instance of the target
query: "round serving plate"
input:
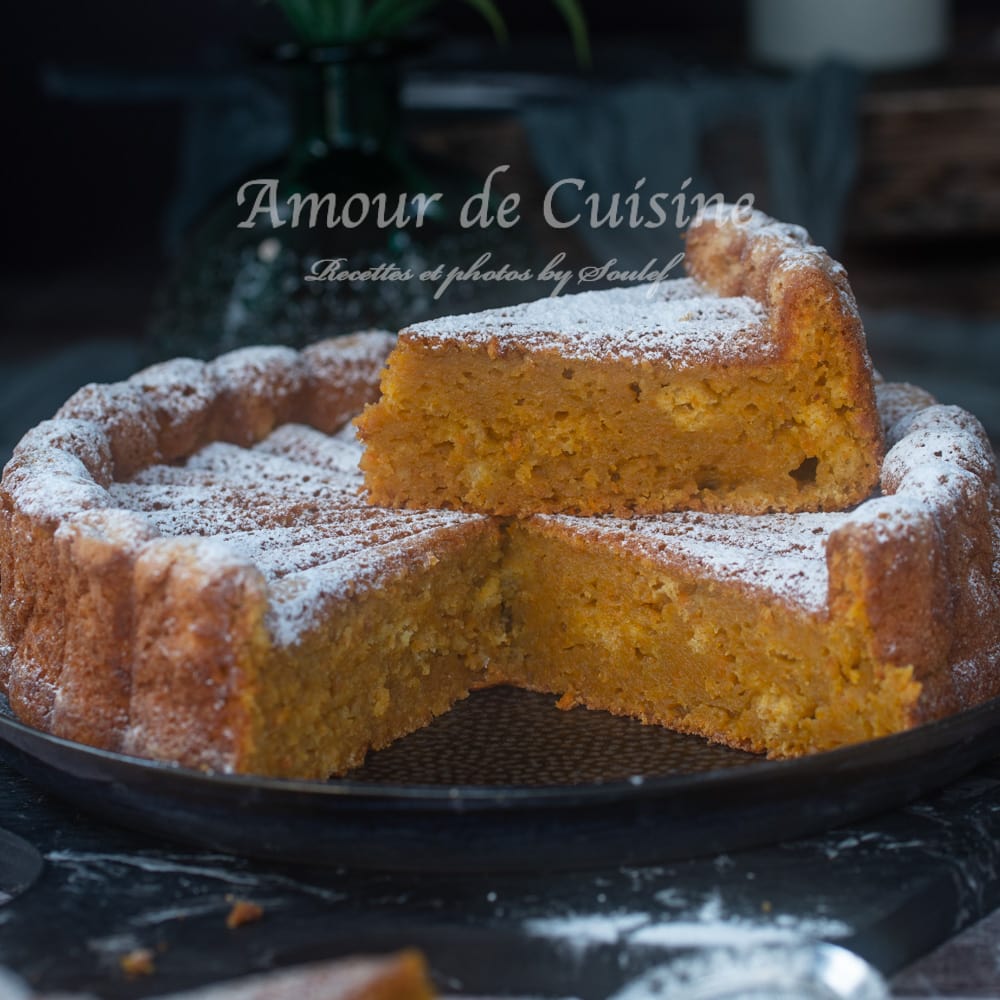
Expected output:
(505, 781)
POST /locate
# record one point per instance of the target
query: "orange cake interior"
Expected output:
(780, 633)
(355, 625)
(190, 571)
(659, 639)
(744, 388)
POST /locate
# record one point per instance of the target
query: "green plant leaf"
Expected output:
(387, 17)
(332, 22)
(300, 15)
(325, 22)
(576, 20)
(492, 16)
(325, 19)
(352, 13)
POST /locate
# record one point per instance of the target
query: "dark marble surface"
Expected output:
(890, 889)
(966, 966)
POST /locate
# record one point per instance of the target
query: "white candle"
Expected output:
(875, 34)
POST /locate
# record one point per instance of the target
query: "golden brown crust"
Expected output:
(806, 293)
(199, 617)
(56, 472)
(339, 380)
(82, 647)
(922, 563)
(91, 703)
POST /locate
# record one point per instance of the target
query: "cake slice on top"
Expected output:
(744, 388)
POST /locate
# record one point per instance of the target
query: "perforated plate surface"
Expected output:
(503, 737)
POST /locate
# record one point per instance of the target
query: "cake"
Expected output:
(190, 571)
(744, 388)
(399, 976)
(170, 592)
(781, 633)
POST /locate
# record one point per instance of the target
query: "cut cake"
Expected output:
(744, 388)
(190, 571)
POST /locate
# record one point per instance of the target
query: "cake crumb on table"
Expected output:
(138, 962)
(243, 911)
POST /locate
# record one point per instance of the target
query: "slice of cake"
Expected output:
(187, 577)
(783, 633)
(745, 388)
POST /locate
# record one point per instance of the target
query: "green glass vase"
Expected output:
(300, 258)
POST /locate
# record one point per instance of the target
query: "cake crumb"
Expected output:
(567, 701)
(243, 912)
(138, 962)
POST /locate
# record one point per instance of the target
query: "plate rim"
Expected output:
(966, 726)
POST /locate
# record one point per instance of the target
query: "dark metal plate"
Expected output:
(505, 781)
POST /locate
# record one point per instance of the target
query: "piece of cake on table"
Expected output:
(744, 388)
(400, 976)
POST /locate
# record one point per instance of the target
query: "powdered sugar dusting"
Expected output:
(224, 509)
(81, 439)
(752, 250)
(336, 453)
(177, 391)
(304, 526)
(945, 435)
(897, 401)
(342, 361)
(675, 321)
(893, 517)
(302, 599)
(789, 245)
(364, 349)
(782, 553)
(255, 369)
(706, 925)
(752, 221)
(117, 403)
(52, 483)
(289, 460)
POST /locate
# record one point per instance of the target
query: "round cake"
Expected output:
(190, 570)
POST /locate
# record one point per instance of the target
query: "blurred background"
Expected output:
(129, 128)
